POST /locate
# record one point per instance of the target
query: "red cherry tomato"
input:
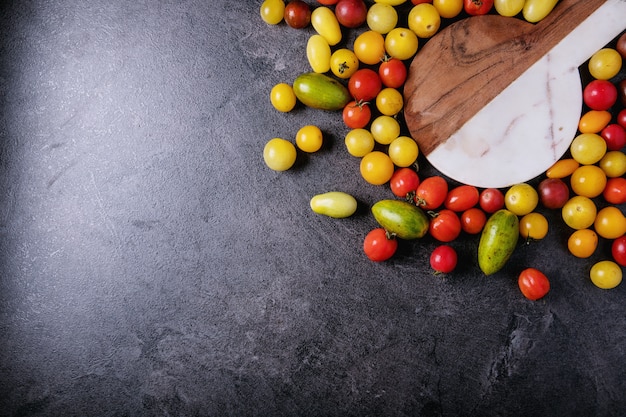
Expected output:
(379, 246)
(553, 193)
(327, 2)
(473, 220)
(404, 182)
(445, 226)
(443, 259)
(491, 200)
(477, 7)
(392, 72)
(297, 14)
(351, 13)
(364, 84)
(416, 2)
(462, 198)
(615, 190)
(600, 94)
(357, 115)
(618, 250)
(431, 193)
(615, 136)
(621, 118)
(533, 283)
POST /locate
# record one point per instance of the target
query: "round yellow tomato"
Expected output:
(448, 8)
(381, 18)
(605, 64)
(279, 154)
(403, 151)
(401, 43)
(610, 223)
(272, 11)
(582, 243)
(521, 199)
(588, 148)
(606, 274)
(344, 63)
(391, 2)
(594, 121)
(369, 47)
(424, 20)
(389, 101)
(613, 163)
(376, 168)
(508, 8)
(533, 226)
(282, 97)
(385, 129)
(588, 180)
(359, 142)
(309, 138)
(579, 212)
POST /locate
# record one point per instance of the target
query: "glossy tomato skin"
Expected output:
(618, 250)
(462, 198)
(327, 2)
(600, 95)
(297, 14)
(615, 136)
(621, 118)
(351, 13)
(364, 84)
(553, 193)
(533, 283)
(404, 182)
(615, 190)
(445, 226)
(392, 72)
(356, 115)
(431, 193)
(473, 220)
(379, 246)
(491, 200)
(416, 2)
(477, 7)
(443, 259)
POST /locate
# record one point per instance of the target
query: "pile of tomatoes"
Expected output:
(587, 185)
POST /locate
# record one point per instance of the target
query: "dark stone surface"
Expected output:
(151, 265)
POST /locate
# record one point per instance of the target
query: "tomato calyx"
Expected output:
(360, 104)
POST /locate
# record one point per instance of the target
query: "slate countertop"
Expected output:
(151, 265)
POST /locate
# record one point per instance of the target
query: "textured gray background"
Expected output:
(151, 265)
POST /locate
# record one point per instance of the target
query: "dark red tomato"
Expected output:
(533, 283)
(357, 115)
(443, 259)
(600, 95)
(462, 198)
(621, 118)
(620, 46)
(297, 14)
(351, 13)
(477, 7)
(364, 84)
(615, 190)
(491, 200)
(404, 182)
(621, 91)
(327, 2)
(473, 220)
(615, 136)
(379, 246)
(416, 2)
(392, 72)
(431, 193)
(445, 226)
(553, 193)
(618, 250)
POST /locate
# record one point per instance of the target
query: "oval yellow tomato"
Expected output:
(282, 97)
(318, 53)
(508, 8)
(326, 24)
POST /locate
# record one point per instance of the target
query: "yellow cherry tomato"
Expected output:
(272, 11)
(588, 181)
(521, 199)
(359, 142)
(536, 10)
(403, 151)
(389, 101)
(533, 226)
(606, 274)
(318, 53)
(381, 18)
(610, 223)
(424, 20)
(385, 129)
(376, 168)
(588, 148)
(508, 8)
(401, 43)
(613, 163)
(282, 97)
(369, 47)
(309, 138)
(326, 24)
(448, 8)
(579, 212)
(279, 154)
(391, 2)
(562, 168)
(344, 63)
(582, 243)
(594, 121)
(605, 64)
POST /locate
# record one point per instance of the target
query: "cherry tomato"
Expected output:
(521, 199)
(309, 138)
(533, 283)
(379, 246)
(282, 97)
(376, 168)
(615, 136)
(364, 84)
(605, 64)
(385, 129)
(443, 259)
(562, 168)
(533, 226)
(279, 154)
(351, 13)
(389, 101)
(587, 148)
(369, 47)
(594, 121)
(508, 8)
(448, 8)
(473, 220)
(588, 180)
(445, 226)
(431, 193)
(297, 14)
(382, 18)
(600, 95)
(404, 182)
(392, 72)
(606, 275)
(424, 19)
(401, 43)
(579, 212)
(343, 63)
(553, 193)
(615, 190)
(621, 118)
(582, 243)
(416, 2)
(359, 142)
(610, 223)
(491, 200)
(356, 114)
(272, 11)
(618, 250)
(403, 151)
(613, 163)
(477, 7)
(462, 198)
(327, 2)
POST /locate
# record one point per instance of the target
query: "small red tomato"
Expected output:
(615, 136)
(379, 246)
(600, 95)
(477, 7)
(297, 14)
(620, 46)
(364, 84)
(621, 91)
(392, 72)
(431, 193)
(445, 226)
(618, 250)
(621, 118)
(351, 13)
(553, 193)
(462, 198)
(327, 2)
(473, 220)
(356, 115)
(491, 200)
(443, 259)
(615, 190)
(533, 283)
(416, 2)
(404, 182)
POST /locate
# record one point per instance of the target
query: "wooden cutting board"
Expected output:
(493, 101)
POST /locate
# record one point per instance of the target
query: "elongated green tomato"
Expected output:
(497, 241)
(405, 220)
(320, 91)
(535, 10)
(318, 53)
(326, 24)
(508, 8)
(336, 204)
(272, 11)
